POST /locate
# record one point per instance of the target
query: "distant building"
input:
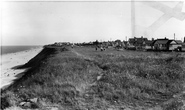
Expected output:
(118, 44)
(137, 42)
(167, 45)
(161, 44)
(131, 41)
(148, 45)
(125, 43)
(174, 45)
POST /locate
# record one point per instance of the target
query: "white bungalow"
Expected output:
(174, 44)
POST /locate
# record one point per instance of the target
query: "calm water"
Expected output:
(13, 49)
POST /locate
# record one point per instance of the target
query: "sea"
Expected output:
(13, 49)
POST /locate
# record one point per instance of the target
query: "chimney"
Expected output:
(152, 39)
(184, 39)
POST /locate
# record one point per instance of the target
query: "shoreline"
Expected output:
(10, 61)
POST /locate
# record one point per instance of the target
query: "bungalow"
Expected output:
(118, 44)
(161, 44)
(148, 45)
(130, 44)
(125, 44)
(138, 43)
(174, 45)
(131, 41)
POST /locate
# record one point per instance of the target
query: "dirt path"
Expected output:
(177, 97)
(82, 56)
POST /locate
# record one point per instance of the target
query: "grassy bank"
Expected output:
(82, 78)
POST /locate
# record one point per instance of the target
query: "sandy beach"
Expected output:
(10, 61)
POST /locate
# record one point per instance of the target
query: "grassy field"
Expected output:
(84, 79)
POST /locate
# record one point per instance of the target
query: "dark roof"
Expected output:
(131, 40)
(137, 40)
(143, 39)
(125, 42)
(162, 41)
(149, 42)
(117, 40)
(178, 41)
(169, 41)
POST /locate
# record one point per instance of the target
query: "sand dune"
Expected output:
(12, 60)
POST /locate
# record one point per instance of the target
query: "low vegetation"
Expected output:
(82, 78)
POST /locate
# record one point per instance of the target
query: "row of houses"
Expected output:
(141, 43)
(136, 43)
(60, 44)
(158, 44)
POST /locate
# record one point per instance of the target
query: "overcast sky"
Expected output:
(39, 23)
